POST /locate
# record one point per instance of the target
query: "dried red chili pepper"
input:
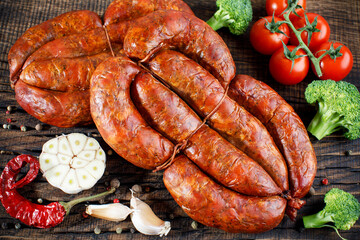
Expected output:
(41, 216)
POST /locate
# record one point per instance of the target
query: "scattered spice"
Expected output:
(194, 225)
(4, 225)
(39, 200)
(5, 126)
(39, 127)
(9, 126)
(118, 230)
(23, 128)
(116, 200)
(348, 152)
(109, 152)
(147, 189)
(325, 181)
(97, 230)
(9, 108)
(17, 226)
(84, 214)
(7, 112)
(9, 120)
(136, 188)
(115, 183)
(132, 230)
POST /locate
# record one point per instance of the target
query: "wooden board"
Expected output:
(342, 171)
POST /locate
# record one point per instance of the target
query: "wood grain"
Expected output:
(341, 170)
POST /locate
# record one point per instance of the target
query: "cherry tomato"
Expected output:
(317, 38)
(278, 7)
(335, 69)
(280, 67)
(263, 40)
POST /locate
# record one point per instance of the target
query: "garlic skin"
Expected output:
(145, 220)
(112, 212)
(72, 162)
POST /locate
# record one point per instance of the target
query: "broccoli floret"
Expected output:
(339, 108)
(342, 209)
(234, 14)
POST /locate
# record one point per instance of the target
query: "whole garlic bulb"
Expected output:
(72, 162)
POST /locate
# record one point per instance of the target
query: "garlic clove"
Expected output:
(145, 220)
(51, 146)
(100, 155)
(96, 168)
(55, 176)
(77, 142)
(63, 159)
(85, 179)
(112, 211)
(48, 161)
(78, 163)
(70, 183)
(91, 144)
(64, 146)
(87, 155)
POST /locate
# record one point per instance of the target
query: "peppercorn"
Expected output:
(9, 126)
(116, 200)
(85, 215)
(118, 230)
(4, 225)
(136, 188)
(325, 181)
(132, 230)
(9, 108)
(109, 152)
(5, 126)
(194, 225)
(171, 216)
(7, 112)
(348, 152)
(39, 200)
(115, 183)
(97, 230)
(9, 120)
(23, 128)
(17, 226)
(39, 127)
(147, 189)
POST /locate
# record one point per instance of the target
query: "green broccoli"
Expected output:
(339, 108)
(234, 14)
(341, 208)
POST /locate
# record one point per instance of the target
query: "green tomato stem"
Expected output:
(314, 60)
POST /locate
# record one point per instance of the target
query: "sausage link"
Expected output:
(120, 10)
(284, 125)
(185, 32)
(117, 119)
(215, 206)
(61, 109)
(62, 25)
(203, 92)
(63, 74)
(170, 115)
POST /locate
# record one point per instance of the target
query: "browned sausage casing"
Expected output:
(185, 32)
(203, 92)
(120, 10)
(65, 24)
(117, 119)
(213, 205)
(284, 125)
(170, 115)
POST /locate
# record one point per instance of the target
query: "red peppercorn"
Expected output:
(85, 215)
(325, 181)
(9, 120)
(116, 200)
(7, 112)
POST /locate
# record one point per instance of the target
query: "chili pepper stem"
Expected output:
(314, 60)
(69, 205)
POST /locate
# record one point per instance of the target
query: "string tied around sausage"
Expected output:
(108, 41)
(183, 144)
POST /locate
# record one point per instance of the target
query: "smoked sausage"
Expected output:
(185, 32)
(172, 117)
(120, 10)
(284, 125)
(203, 92)
(213, 205)
(65, 24)
(117, 119)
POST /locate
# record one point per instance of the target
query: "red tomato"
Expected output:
(278, 6)
(338, 69)
(263, 40)
(317, 38)
(280, 67)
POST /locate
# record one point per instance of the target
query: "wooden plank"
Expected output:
(341, 170)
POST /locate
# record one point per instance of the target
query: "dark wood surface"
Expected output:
(341, 170)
